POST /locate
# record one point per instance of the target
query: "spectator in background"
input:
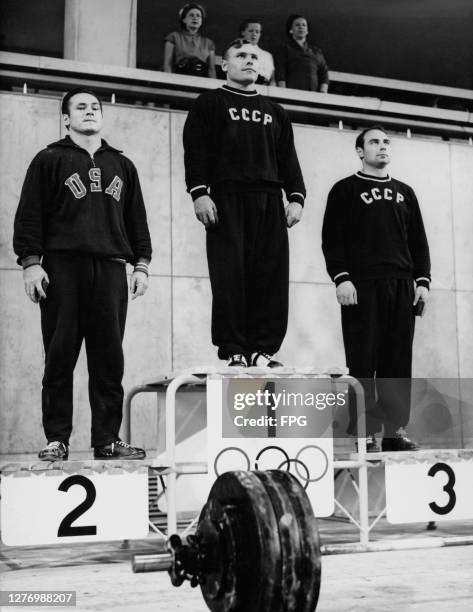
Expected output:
(250, 31)
(186, 51)
(299, 64)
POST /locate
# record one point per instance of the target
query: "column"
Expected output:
(101, 32)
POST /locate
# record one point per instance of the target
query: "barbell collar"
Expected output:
(152, 563)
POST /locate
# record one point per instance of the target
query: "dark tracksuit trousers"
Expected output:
(378, 333)
(248, 258)
(87, 298)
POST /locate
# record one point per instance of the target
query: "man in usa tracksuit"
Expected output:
(80, 218)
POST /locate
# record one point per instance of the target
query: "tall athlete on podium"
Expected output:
(377, 254)
(81, 217)
(239, 154)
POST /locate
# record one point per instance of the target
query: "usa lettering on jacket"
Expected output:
(256, 116)
(79, 190)
(378, 193)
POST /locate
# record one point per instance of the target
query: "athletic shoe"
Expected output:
(398, 441)
(371, 444)
(54, 451)
(118, 450)
(263, 360)
(237, 361)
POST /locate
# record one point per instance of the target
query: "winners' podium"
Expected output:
(257, 419)
(426, 485)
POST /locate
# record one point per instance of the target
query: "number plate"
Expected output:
(429, 491)
(59, 507)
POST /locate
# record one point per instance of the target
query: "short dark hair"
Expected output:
(290, 20)
(73, 92)
(235, 44)
(360, 139)
(188, 7)
(246, 23)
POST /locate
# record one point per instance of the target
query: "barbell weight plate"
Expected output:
(289, 541)
(311, 565)
(245, 573)
(219, 537)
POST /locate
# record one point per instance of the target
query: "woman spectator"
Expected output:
(186, 51)
(299, 64)
(250, 31)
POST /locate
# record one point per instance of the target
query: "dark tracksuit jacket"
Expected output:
(84, 217)
(239, 147)
(373, 235)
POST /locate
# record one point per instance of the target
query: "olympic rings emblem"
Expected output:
(325, 460)
(230, 448)
(298, 462)
(306, 478)
(267, 448)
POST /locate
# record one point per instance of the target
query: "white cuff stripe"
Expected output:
(297, 193)
(341, 274)
(198, 187)
(423, 278)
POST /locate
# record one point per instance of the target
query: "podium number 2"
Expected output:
(66, 528)
(448, 488)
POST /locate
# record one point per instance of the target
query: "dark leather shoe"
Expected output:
(398, 441)
(54, 451)
(118, 450)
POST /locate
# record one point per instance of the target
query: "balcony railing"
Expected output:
(445, 112)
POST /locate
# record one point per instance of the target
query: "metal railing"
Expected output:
(52, 76)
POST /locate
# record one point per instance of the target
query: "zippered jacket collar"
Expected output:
(67, 142)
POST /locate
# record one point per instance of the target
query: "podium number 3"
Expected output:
(448, 488)
(66, 528)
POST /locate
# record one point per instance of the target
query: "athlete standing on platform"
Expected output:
(81, 217)
(377, 254)
(239, 154)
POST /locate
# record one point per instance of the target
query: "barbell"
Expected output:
(255, 548)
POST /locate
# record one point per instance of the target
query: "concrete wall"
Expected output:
(169, 329)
